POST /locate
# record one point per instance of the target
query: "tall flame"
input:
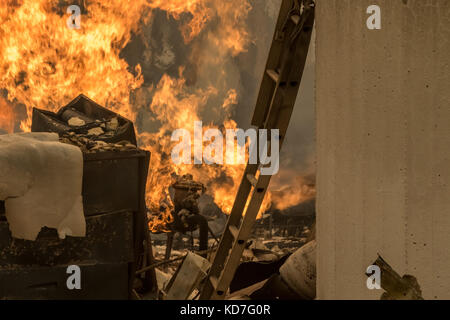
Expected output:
(300, 189)
(230, 15)
(222, 181)
(45, 64)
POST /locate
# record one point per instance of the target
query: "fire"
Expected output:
(230, 17)
(301, 189)
(201, 14)
(45, 64)
(7, 117)
(222, 181)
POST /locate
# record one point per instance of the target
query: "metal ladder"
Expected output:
(274, 106)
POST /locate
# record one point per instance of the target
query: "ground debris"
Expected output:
(88, 145)
(396, 287)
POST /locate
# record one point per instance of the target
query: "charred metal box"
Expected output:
(114, 205)
(114, 181)
(46, 121)
(114, 184)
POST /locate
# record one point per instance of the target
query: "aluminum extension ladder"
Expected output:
(274, 106)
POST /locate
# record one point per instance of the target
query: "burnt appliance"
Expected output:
(185, 212)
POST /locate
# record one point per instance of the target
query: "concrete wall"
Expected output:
(383, 144)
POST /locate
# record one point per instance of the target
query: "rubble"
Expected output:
(396, 287)
(85, 118)
(162, 279)
(185, 212)
(76, 122)
(90, 146)
(187, 278)
(97, 131)
(258, 275)
(251, 272)
(299, 271)
(268, 272)
(112, 125)
(87, 125)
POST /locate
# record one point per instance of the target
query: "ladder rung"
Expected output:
(214, 281)
(234, 231)
(251, 178)
(295, 18)
(273, 74)
(287, 56)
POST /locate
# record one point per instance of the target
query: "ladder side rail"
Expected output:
(239, 245)
(292, 53)
(227, 239)
(280, 117)
(267, 84)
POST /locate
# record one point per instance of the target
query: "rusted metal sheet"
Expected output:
(109, 239)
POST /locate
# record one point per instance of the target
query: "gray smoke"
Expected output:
(159, 49)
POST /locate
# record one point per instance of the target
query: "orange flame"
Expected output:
(300, 189)
(45, 64)
(7, 117)
(229, 15)
(222, 181)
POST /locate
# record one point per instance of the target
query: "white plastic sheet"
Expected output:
(41, 181)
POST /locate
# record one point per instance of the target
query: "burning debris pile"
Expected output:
(263, 273)
(186, 209)
(88, 145)
(89, 126)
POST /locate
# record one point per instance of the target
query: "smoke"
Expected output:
(221, 63)
(160, 49)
